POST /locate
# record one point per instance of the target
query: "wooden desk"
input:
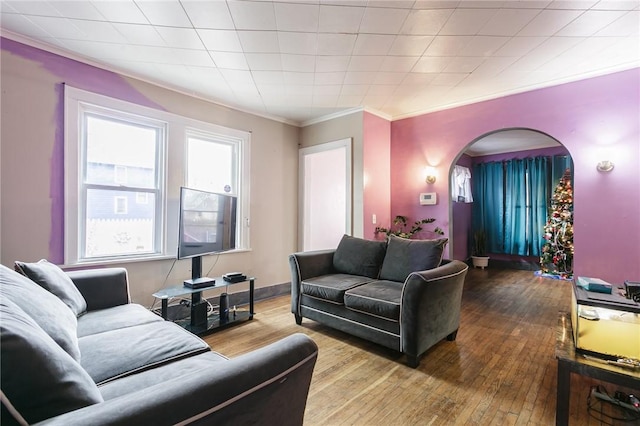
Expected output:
(571, 362)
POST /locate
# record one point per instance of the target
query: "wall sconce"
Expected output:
(430, 173)
(604, 166)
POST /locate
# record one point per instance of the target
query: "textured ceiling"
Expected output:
(299, 61)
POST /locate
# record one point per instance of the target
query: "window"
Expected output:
(125, 165)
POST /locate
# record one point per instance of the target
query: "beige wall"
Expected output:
(347, 126)
(31, 97)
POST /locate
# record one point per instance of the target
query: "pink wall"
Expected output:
(594, 119)
(377, 172)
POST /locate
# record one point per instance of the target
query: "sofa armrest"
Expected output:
(102, 288)
(268, 385)
(431, 303)
(305, 265)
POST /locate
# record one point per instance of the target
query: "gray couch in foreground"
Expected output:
(75, 351)
(400, 294)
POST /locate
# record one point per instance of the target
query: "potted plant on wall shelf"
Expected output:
(401, 230)
(479, 256)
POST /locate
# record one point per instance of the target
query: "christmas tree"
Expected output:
(557, 251)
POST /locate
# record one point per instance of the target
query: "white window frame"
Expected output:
(172, 163)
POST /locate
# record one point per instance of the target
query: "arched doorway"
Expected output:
(498, 145)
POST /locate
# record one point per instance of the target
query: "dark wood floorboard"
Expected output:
(501, 369)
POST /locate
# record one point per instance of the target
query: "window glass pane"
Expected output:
(120, 153)
(117, 225)
(211, 166)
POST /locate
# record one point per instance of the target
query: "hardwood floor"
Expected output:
(501, 369)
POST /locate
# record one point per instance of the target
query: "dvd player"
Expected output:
(200, 282)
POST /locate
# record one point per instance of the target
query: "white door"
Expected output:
(324, 194)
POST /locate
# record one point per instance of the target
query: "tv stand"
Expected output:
(200, 322)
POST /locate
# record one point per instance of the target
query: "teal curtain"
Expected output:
(488, 212)
(515, 215)
(512, 201)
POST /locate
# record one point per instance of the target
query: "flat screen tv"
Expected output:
(207, 225)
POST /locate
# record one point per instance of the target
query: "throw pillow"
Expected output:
(357, 256)
(39, 379)
(55, 280)
(406, 256)
(53, 316)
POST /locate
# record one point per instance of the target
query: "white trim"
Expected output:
(347, 144)
(332, 116)
(171, 175)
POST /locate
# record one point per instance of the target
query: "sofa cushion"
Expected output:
(124, 351)
(378, 298)
(357, 256)
(129, 315)
(406, 256)
(53, 316)
(55, 280)
(210, 361)
(332, 287)
(39, 379)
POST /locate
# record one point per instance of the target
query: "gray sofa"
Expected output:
(400, 294)
(75, 351)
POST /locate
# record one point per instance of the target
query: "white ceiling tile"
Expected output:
(483, 46)
(571, 4)
(324, 100)
(237, 76)
(300, 43)
(365, 63)
(520, 46)
(259, 41)
(250, 15)
(165, 12)
(398, 63)
(22, 25)
(436, 4)
(406, 4)
(354, 89)
(590, 22)
(59, 27)
(328, 77)
(548, 22)
(299, 90)
(527, 4)
(230, 60)
(431, 64)
(463, 64)
(448, 79)
(373, 44)
(382, 21)
(209, 14)
(507, 22)
(220, 40)
(107, 51)
(100, 31)
(186, 38)
(616, 5)
(359, 77)
(447, 45)
(349, 101)
(467, 21)
(268, 77)
(376, 101)
(264, 61)
(121, 11)
(38, 8)
(332, 63)
(184, 56)
(340, 19)
(386, 78)
(336, 44)
(77, 10)
(329, 90)
(140, 34)
(299, 63)
(425, 22)
(628, 24)
(408, 45)
(299, 78)
(297, 17)
(493, 66)
(482, 4)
